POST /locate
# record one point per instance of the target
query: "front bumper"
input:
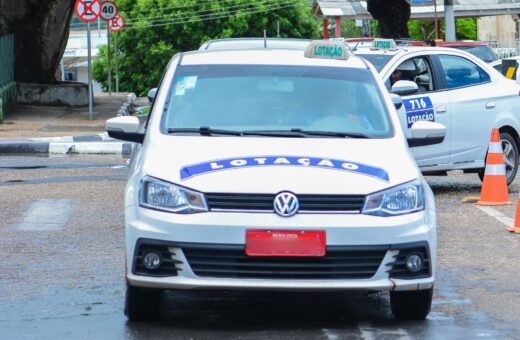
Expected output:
(230, 228)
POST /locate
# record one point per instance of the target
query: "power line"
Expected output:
(210, 11)
(215, 15)
(237, 13)
(249, 6)
(220, 9)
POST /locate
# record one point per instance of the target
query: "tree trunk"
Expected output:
(41, 31)
(392, 15)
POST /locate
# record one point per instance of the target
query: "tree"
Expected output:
(392, 16)
(466, 28)
(41, 30)
(157, 29)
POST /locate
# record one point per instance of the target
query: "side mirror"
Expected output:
(398, 101)
(125, 128)
(404, 88)
(151, 94)
(426, 133)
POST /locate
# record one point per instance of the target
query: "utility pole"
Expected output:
(449, 17)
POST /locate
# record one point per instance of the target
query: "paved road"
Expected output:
(62, 270)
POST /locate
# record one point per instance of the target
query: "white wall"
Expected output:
(82, 77)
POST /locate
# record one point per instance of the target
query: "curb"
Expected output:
(64, 148)
(101, 137)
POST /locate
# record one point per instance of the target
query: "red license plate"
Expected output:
(285, 243)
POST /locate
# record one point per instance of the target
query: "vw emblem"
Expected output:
(286, 204)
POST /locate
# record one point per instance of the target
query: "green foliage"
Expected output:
(171, 26)
(466, 29)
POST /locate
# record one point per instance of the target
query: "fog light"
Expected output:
(414, 262)
(151, 259)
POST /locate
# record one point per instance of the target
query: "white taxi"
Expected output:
(277, 170)
(458, 90)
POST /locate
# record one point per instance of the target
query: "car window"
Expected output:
(483, 52)
(498, 67)
(378, 60)
(461, 72)
(418, 70)
(270, 97)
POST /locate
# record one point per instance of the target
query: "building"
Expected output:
(75, 58)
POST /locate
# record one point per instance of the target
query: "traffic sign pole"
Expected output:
(89, 11)
(117, 64)
(109, 62)
(89, 43)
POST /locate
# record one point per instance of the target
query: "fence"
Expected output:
(7, 84)
(505, 48)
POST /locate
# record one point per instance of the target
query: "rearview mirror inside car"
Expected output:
(125, 128)
(404, 88)
(426, 133)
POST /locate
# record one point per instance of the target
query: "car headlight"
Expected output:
(403, 199)
(161, 195)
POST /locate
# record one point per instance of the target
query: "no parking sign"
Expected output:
(117, 23)
(88, 10)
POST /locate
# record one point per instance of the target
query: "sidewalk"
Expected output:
(59, 129)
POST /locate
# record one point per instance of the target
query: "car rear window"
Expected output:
(483, 52)
(378, 60)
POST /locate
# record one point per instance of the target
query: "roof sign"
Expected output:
(326, 50)
(384, 44)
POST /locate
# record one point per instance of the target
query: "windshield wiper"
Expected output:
(331, 133)
(205, 131)
(303, 133)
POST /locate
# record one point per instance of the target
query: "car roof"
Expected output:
(461, 43)
(402, 50)
(263, 56)
(248, 43)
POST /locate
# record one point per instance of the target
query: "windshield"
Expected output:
(481, 51)
(276, 98)
(378, 60)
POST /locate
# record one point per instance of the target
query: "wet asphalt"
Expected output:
(62, 270)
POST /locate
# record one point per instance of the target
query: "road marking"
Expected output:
(371, 333)
(497, 215)
(329, 334)
(46, 214)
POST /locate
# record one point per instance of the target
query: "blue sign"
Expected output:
(189, 171)
(420, 1)
(418, 109)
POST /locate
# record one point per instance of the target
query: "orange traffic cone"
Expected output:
(494, 188)
(516, 228)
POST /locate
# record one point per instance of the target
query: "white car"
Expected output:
(460, 91)
(277, 170)
(255, 43)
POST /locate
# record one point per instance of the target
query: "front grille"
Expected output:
(230, 261)
(264, 203)
(399, 270)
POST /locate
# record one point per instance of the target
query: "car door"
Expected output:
(428, 104)
(473, 101)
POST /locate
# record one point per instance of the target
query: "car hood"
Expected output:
(271, 165)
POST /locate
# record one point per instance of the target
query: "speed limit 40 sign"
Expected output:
(108, 10)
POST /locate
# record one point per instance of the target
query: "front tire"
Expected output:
(142, 304)
(411, 305)
(511, 155)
